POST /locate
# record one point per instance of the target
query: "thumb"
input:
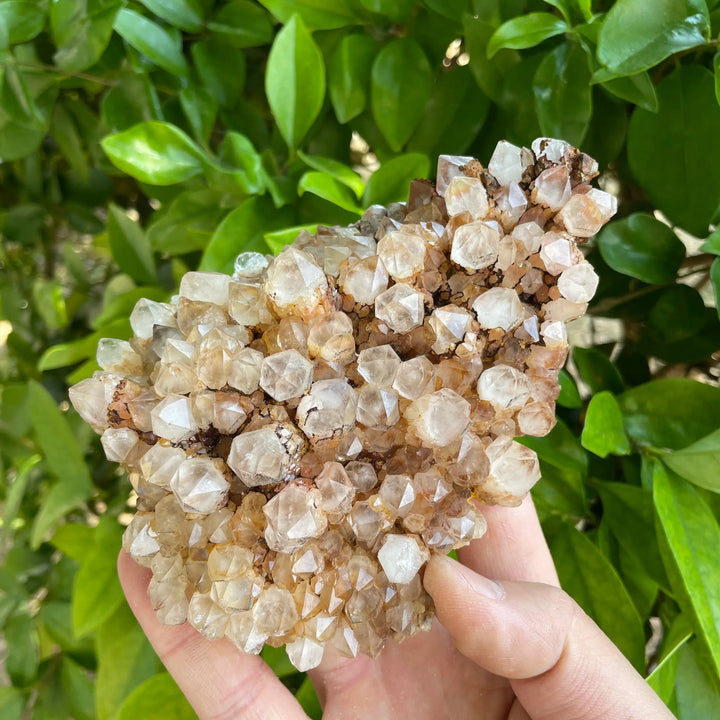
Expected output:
(559, 663)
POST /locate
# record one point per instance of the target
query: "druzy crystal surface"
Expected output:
(302, 435)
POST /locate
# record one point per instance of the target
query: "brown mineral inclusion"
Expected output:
(302, 435)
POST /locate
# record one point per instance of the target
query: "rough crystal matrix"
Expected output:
(302, 435)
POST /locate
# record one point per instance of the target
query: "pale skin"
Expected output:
(511, 648)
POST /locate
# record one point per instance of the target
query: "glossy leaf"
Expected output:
(125, 660)
(563, 96)
(603, 432)
(327, 187)
(587, 575)
(159, 45)
(241, 231)
(130, 247)
(349, 78)
(526, 31)
(159, 698)
(342, 173)
(238, 169)
(23, 20)
(679, 313)
(716, 68)
(221, 68)
(81, 30)
(712, 243)
(12, 703)
(295, 81)
(696, 686)
(64, 460)
(398, 11)
(155, 152)
(569, 396)
(96, 590)
(200, 108)
(699, 462)
(669, 156)
(308, 700)
(637, 89)
(715, 279)
(628, 512)
(22, 653)
(316, 14)
(670, 413)
(278, 239)
(390, 182)
(662, 678)
(242, 24)
(597, 370)
(692, 534)
(564, 6)
(642, 247)
(633, 39)
(183, 14)
(401, 84)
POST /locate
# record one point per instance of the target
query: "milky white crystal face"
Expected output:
(302, 435)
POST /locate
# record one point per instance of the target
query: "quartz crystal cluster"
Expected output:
(302, 435)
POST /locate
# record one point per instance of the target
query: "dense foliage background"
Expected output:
(140, 139)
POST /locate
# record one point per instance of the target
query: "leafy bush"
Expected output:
(140, 139)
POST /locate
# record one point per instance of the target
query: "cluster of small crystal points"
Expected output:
(302, 435)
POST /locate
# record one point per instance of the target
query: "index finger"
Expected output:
(219, 681)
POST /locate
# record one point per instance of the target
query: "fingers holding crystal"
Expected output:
(219, 682)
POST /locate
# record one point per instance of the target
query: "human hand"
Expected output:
(513, 650)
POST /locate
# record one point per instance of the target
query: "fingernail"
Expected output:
(475, 582)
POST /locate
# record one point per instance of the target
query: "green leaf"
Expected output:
(562, 5)
(597, 370)
(277, 240)
(699, 463)
(238, 170)
(96, 591)
(391, 181)
(155, 152)
(50, 302)
(129, 246)
(295, 81)
(633, 39)
(563, 96)
(670, 413)
(125, 660)
(715, 280)
(183, 14)
(79, 690)
(278, 661)
(200, 107)
(642, 247)
(679, 313)
(81, 30)
(450, 123)
(221, 68)
(696, 686)
(15, 493)
(241, 231)
(712, 243)
(662, 678)
(160, 46)
(628, 512)
(693, 537)
(451, 9)
(401, 84)
(68, 139)
(526, 31)
(158, 698)
(716, 68)
(23, 20)
(308, 700)
(398, 11)
(242, 24)
(64, 459)
(587, 575)
(73, 540)
(316, 14)
(187, 224)
(349, 79)
(22, 654)
(669, 156)
(330, 189)
(12, 702)
(637, 89)
(603, 432)
(342, 173)
(569, 396)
